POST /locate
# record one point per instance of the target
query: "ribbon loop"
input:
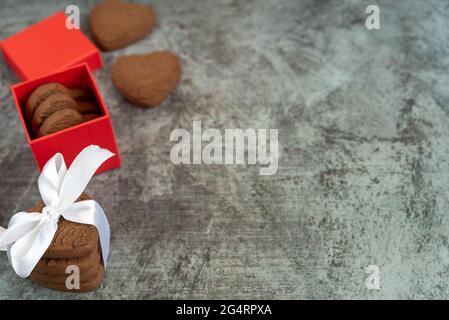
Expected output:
(80, 173)
(30, 234)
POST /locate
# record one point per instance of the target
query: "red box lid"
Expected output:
(48, 46)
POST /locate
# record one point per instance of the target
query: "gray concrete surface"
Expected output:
(363, 119)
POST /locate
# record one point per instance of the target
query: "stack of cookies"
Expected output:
(53, 107)
(74, 246)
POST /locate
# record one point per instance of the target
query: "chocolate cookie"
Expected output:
(58, 266)
(40, 94)
(71, 240)
(90, 116)
(116, 24)
(46, 108)
(82, 94)
(86, 107)
(60, 120)
(84, 286)
(85, 276)
(146, 80)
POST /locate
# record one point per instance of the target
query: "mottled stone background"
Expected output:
(363, 119)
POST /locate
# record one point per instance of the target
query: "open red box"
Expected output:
(72, 140)
(49, 52)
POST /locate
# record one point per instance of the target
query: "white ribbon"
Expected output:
(30, 234)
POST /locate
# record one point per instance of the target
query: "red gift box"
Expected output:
(49, 52)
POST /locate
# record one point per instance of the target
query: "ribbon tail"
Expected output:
(90, 212)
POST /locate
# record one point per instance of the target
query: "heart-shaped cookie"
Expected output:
(46, 108)
(40, 94)
(147, 79)
(60, 120)
(115, 24)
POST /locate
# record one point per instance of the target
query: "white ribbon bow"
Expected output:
(30, 234)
